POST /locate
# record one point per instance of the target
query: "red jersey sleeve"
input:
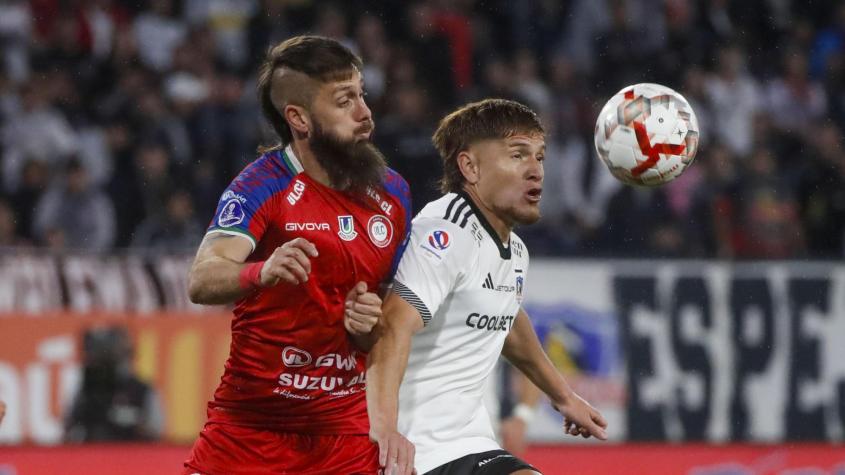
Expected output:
(245, 204)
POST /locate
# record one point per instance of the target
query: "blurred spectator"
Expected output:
(640, 224)
(102, 19)
(158, 32)
(452, 18)
(404, 135)
(687, 43)
(223, 132)
(229, 22)
(794, 99)
(9, 226)
(694, 87)
(15, 30)
(821, 194)
(526, 74)
(590, 19)
(621, 46)
(34, 181)
(142, 187)
(430, 52)
(829, 43)
(173, 230)
(37, 131)
(713, 215)
(332, 22)
(185, 94)
(2, 411)
(269, 26)
(735, 97)
(375, 52)
(769, 225)
(73, 214)
(112, 404)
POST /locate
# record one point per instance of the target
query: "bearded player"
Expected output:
(302, 241)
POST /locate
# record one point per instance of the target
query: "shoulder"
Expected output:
(449, 207)
(396, 186)
(436, 226)
(266, 174)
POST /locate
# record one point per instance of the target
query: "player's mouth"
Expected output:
(534, 194)
(364, 131)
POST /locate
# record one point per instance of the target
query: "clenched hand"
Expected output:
(289, 263)
(362, 310)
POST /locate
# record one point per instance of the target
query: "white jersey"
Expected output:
(468, 288)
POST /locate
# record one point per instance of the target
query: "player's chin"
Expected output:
(528, 213)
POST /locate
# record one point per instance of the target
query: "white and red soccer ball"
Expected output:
(647, 134)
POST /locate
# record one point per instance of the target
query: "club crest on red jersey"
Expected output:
(347, 228)
(380, 230)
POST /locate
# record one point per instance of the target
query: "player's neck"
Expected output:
(309, 162)
(503, 228)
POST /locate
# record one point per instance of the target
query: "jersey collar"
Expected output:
(504, 251)
(291, 161)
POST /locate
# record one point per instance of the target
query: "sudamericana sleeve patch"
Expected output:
(232, 210)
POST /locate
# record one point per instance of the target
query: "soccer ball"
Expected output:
(647, 135)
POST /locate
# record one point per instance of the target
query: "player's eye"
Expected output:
(345, 102)
(517, 156)
(540, 158)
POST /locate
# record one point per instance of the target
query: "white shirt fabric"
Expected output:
(468, 288)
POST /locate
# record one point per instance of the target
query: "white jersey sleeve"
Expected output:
(439, 256)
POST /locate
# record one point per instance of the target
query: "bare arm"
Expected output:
(216, 277)
(215, 274)
(522, 348)
(512, 429)
(385, 369)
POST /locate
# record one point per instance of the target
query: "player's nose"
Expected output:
(364, 114)
(535, 171)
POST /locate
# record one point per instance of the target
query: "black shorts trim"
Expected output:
(494, 462)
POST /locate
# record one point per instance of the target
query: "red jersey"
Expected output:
(292, 366)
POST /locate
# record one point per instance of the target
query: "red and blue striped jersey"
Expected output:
(292, 366)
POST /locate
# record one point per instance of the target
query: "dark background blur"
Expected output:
(122, 121)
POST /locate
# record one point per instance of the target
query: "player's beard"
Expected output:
(352, 165)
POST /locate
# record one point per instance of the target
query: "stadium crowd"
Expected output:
(121, 121)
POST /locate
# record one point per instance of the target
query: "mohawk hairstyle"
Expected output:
(318, 58)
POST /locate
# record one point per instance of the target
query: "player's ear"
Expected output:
(298, 120)
(468, 164)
